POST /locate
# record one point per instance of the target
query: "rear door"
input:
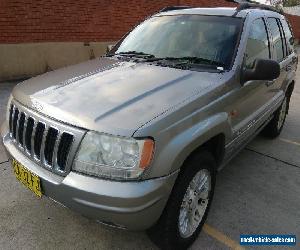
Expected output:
(279, 52)
(291, 56)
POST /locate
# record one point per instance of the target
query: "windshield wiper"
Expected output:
(134, 53)
(188, 60)
(193, 59)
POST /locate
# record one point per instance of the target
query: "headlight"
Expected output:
(113, 157)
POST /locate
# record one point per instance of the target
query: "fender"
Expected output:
(189, 140)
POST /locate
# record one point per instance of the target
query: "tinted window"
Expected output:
(282, 37)
(277, 39)
(288, 36)
(258, 43)
(210, 37)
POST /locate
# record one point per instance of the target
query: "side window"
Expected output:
(277, 39)
(257, 44)
(289, 36)
(282, 37)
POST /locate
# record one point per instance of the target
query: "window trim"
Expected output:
(287, 41)
(268, 35)
(273, 44)
(282, 35)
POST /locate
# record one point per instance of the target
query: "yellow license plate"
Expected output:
(29, 179)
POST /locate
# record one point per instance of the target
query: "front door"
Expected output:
(252, 99)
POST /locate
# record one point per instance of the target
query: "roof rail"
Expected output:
(236, 1)
(248, 4)
(168, 8)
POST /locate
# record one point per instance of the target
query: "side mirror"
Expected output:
(267, 70)
(109, 47)
(292, 41)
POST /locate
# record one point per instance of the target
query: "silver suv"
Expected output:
(134, 139)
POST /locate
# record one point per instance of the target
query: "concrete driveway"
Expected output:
(257, 193)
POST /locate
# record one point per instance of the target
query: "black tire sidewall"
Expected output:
(170, 218)
(272, 130)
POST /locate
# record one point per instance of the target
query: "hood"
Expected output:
(110, 96)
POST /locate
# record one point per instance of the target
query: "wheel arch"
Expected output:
(210, 134)
(290, 88)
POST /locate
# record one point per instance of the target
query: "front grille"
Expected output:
(38, 137)
(10, 116)
(63, 150)
(28, 133)
(51, 144)
(21, 129)
(15, 121)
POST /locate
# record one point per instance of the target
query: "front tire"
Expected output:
(275, 126)
(188, 205)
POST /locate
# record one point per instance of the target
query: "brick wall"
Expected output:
(295, 22)
(26, 21)
(41, 35)
(209, 3)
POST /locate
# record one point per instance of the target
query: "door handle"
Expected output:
(295, 59)
(269, 83)
(288, 68)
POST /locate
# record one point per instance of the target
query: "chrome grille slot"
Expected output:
(28, 133)
(11, 110)
(63, 150)
(50, 143)
(21, 129)
(38, 137)
(15, 121)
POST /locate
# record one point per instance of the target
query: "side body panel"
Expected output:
(237, 111)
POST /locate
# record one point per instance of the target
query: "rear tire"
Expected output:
(188, 204)
(275, 126)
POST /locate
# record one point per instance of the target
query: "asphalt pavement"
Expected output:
(258, 192)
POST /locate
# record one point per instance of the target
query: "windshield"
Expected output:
(211, 38)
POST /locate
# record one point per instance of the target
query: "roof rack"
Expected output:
(247, 5)
(174, 8)
(244, 5)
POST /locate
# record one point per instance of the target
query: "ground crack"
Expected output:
(274, 158)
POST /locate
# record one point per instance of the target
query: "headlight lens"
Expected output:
(112, 156)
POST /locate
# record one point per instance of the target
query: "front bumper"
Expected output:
(129, 205)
